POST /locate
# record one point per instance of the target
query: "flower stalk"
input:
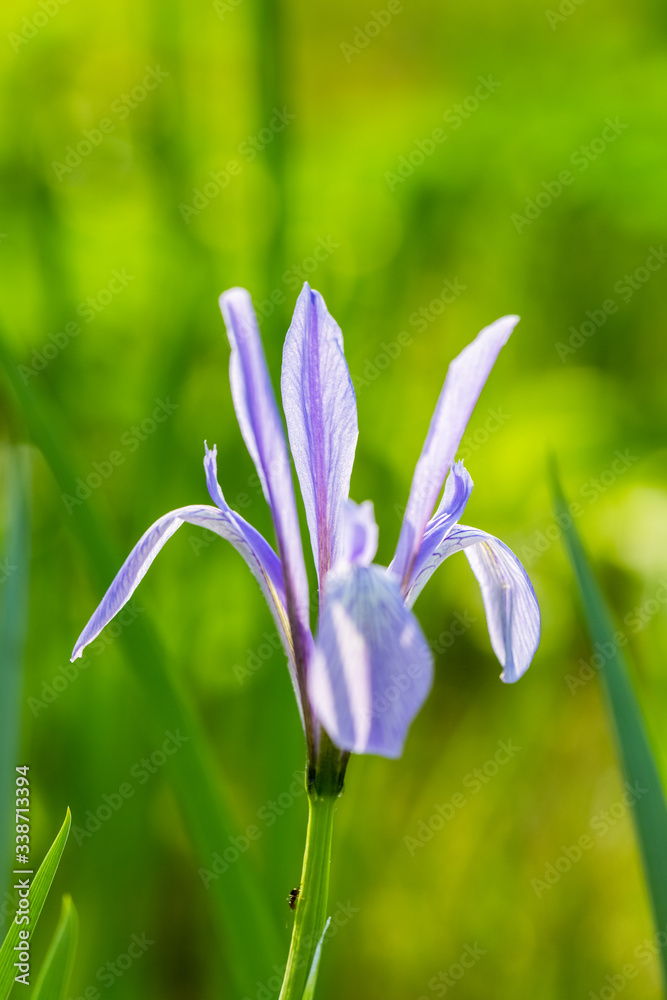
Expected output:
(324, 787)
(311, 906)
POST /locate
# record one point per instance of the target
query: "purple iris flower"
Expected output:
(368, 671)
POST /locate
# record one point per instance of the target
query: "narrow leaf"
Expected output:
(309, 991)
(637, 758)
(55, 974)
(39, 889)
(14, 561)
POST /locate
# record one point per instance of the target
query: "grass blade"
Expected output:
(250, 936)
(309, 991)
(39, 890)
(55, 974)
(14, 566)
(637, 758)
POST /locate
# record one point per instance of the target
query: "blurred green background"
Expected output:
(170, 93)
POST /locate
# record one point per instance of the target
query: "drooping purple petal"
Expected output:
(512, 611)
(372, 668)
(321, 411)
(464, 382)
(264, 436)
(258, 554)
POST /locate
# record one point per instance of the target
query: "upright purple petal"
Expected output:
(372, 668)
(512, 611)
(321, 411)
(258, 554)
(464, 382)
(264, 436)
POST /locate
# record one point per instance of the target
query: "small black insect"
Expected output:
(293, 896)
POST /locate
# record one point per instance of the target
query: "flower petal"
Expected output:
(321, 412)
(359, 535)
(512, 611)
(458, 488)
(258, 554)
(372, 668)
(264, 436)
(464, 382)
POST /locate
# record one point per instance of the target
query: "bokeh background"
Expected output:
(355, 102)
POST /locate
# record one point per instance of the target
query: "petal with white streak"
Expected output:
(372, 668)
(321, 412)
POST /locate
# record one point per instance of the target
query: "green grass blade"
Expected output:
(252, 941)
(309, 991)
(39, 890)
(14, 563)
(56, 972)
(637, 758)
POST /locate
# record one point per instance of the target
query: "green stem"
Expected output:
(311, 907)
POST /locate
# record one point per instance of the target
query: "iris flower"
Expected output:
(363, 678)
